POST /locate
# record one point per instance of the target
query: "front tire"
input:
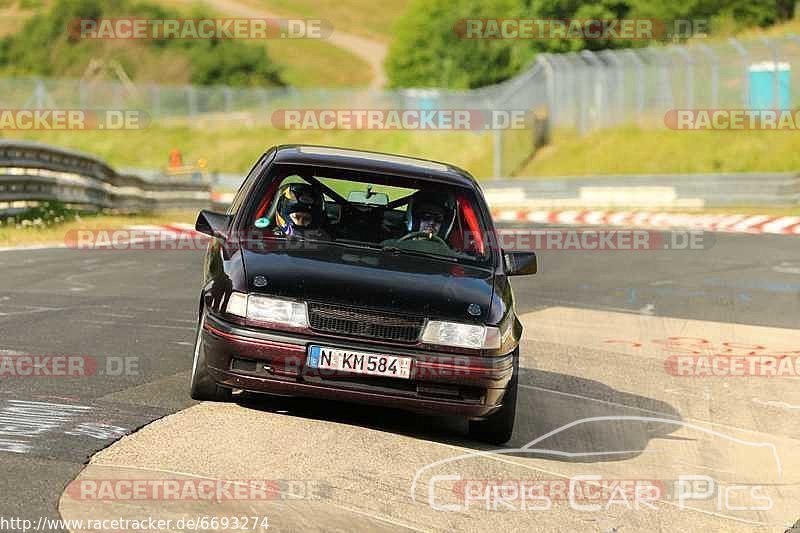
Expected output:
(203, 386)
(498, 427)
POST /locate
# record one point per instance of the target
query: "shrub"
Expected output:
(47, 46)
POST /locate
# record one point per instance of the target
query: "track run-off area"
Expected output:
(641, 407)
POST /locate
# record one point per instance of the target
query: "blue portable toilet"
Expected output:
(424, 99)
(762, 85)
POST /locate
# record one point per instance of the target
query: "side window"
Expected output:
(241, 194)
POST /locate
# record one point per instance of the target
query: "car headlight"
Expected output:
(277, 311)
(237, 304)
(461, 335)
(266, 309)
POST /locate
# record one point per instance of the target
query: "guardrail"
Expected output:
(33, 172)
(683, 191)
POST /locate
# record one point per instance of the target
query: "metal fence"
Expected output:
(255, 106)
(590, 91)
(582, 91)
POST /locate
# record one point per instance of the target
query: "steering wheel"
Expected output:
(423, 234)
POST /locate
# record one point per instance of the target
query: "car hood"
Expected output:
(372, 279)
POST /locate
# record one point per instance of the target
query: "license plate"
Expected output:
(372, 364)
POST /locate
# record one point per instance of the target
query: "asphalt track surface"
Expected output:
(598, 330)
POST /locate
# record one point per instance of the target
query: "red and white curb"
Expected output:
(175, 236)
(174, 229)
(784, 225)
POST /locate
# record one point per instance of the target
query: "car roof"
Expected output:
(361, 160)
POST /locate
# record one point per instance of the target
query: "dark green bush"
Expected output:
(44, 215)
(48, 40)
(428, 52)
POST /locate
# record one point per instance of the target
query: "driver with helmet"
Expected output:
(429, 220)
(431, 212)
(300, 212)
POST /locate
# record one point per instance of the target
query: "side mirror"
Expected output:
(520, 263)
(213, 224)
(333, 212)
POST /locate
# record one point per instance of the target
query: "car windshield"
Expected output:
(389, 213)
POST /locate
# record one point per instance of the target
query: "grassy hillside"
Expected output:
(48, 45)
(632, 150)
(41, 49)
(303, 62)
(315, 63)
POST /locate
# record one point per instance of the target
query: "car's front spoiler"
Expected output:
(275, 363)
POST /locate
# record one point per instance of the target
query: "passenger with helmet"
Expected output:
(300, 212)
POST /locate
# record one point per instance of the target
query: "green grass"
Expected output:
(10, 235)
(316, 63)
(234, 148)
(632, 150)
(728, 29)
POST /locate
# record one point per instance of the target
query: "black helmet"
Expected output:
(434, 212)
(299, 209)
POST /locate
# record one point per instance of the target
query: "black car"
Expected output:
(364, 277)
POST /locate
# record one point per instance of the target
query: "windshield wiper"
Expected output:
(351, 244)
(398, 251)
(343, 244)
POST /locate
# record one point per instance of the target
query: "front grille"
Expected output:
(359, 322)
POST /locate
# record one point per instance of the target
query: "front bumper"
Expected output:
(273, 362)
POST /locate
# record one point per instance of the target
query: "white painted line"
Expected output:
(772, 403)
(32, 247)
(643, 410)
(529, 448)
